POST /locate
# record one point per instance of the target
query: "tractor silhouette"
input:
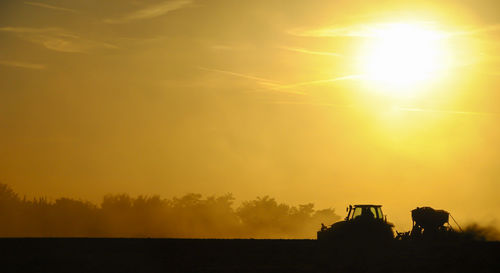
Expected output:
(363, 224)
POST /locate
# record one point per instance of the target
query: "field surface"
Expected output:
(75, 255)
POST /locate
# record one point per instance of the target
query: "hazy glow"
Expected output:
(329, 102)
(402, 55)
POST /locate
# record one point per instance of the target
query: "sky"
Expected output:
(251, 98)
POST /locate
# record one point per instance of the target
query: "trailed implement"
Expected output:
(429, 224)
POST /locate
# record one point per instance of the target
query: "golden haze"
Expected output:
(330, 102)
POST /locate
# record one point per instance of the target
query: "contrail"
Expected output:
(266, 83)
(311, 52)
(47, 6)
(445, 111)
(309, 103)
(246, 76)
(342, 78)
(277, 86)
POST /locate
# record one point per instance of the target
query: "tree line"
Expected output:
(189, 216)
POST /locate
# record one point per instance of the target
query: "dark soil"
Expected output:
(182, 255)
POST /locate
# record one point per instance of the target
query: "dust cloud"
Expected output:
(189, 216)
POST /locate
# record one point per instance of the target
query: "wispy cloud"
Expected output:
(317, 82)
(282, 87)
(445, 111)
(52, 7)
(355, 30)
(372, 30)
(285, 102)
(151, 12)
(57, 39)
(312, 52)
(263, 82)
(240, 75)
(343, 31)
(394, 108)
(21, 30)
(23, 65)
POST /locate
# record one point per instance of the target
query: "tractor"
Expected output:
(363, 224)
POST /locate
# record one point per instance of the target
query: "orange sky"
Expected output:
(249, 97)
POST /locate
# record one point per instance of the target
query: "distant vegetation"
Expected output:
(190, 216)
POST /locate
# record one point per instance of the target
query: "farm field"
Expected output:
(244, 255)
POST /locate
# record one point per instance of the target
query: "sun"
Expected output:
(402, 57)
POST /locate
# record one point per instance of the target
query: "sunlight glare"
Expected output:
(402, 56)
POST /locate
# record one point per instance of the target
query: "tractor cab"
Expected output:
(364, 211)
(363, 224)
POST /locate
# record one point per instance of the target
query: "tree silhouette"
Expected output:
(189, 216)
